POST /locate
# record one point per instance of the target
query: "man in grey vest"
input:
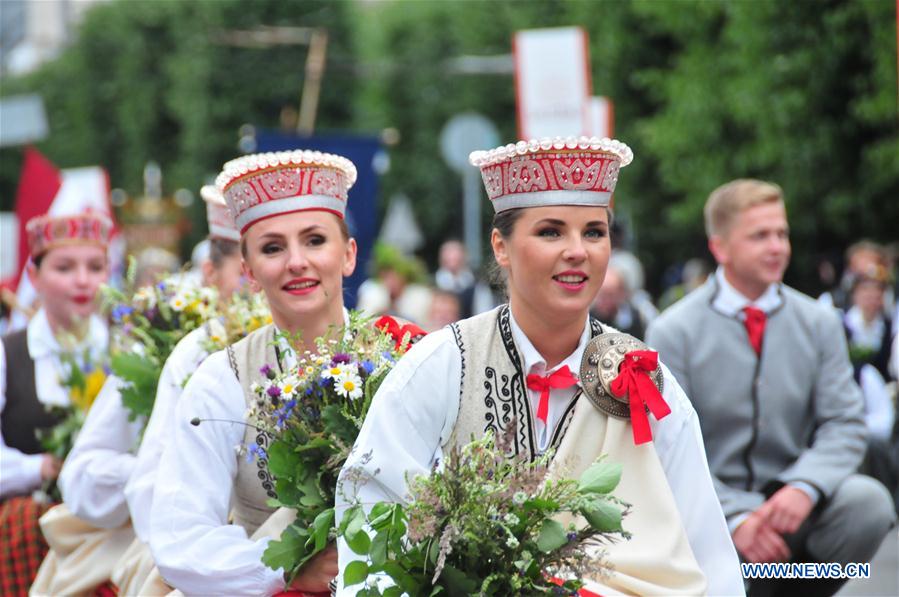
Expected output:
(767, 370)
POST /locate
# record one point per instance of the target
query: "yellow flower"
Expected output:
(93, 382)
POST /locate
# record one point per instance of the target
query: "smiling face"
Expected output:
(754, 250)
(299, 260)
(67, 281)
(556, 259)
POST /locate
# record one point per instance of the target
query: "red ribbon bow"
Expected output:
(389, 326)
(634, 382)
(755, 327)
(560, 378)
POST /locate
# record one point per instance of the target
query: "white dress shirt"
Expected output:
(20, 472)
(415, 411)
(93, 478)
(182, 362)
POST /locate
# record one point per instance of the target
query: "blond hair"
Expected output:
(728, 200)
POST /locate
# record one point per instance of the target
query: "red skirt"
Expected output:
(22, 545)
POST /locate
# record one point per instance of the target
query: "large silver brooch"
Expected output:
(600, 366)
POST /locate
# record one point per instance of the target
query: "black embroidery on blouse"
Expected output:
(512, 390)
(263, 440)
(232, 360)
(457, 334)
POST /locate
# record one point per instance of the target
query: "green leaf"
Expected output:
(321, 528)
(355, 520)
(603, 516)
(601, 477)
(378, 550)
(355, 573)
(285, 552)
(552, 536)
(282, 460)
(359, 543)
(457, 583)
(393, 592)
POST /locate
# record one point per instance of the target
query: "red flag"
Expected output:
(38, 186)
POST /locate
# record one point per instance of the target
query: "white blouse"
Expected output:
(93, 478)
(412, 417)
(20, 472)
(182, 362)
(196, 550)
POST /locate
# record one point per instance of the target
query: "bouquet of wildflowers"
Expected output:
(486, 525)
(312, 414)
(149, 321)
(242, 314)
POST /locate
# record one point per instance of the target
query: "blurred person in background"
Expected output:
(454, 275)
(155, 264)
(445, 309)
(631, 269)
(769, 374)
(613, 305)
(869, 329)
(397, 286)
(90, 532)
(68, 263)
(693, 275)
(861, 257)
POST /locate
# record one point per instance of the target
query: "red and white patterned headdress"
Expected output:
(221, 224)
(264, 185)
(540, 172)
(47, 232)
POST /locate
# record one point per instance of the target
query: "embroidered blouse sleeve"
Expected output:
(195, 548)
(184, 359)
(94, 475)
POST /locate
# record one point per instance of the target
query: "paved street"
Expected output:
(884, 579)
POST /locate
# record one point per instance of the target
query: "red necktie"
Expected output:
(633, 382)
(560, 378)
(755, 327)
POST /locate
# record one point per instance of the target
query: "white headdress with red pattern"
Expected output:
(264, 185)
(47, 232)
(540, 172)
(221, 224)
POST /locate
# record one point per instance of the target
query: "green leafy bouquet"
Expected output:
(148, 322)
(312, 414)
(486, 524)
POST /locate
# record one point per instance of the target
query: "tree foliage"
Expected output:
(800, 93)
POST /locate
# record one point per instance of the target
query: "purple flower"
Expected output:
(368, 366)
(256, 451)
(571, 536)
(121, 311)
(386, 354)
(273, 391)
(267, 371)
(161, 286)
(340, 357)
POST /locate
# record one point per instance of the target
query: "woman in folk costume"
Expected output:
(222, 271)
(290, 208)
(90, 531)
(68, 264)
(539, 368)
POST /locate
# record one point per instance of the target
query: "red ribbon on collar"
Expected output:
(389, 326)
(634, 382)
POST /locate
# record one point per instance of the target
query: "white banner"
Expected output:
(600, 117)
(552, 82)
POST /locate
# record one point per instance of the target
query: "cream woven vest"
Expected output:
(253, 485)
